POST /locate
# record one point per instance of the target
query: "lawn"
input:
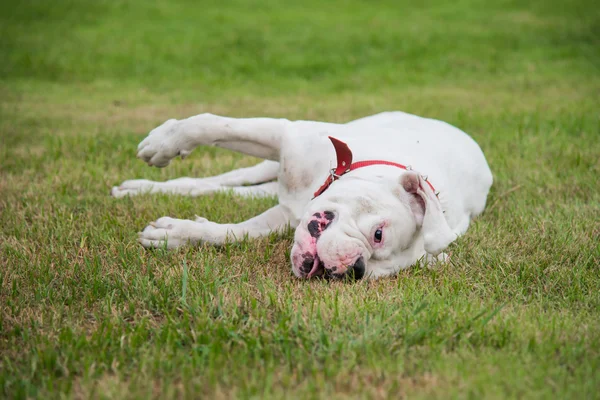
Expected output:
(85, 312)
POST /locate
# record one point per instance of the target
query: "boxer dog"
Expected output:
(367, 198)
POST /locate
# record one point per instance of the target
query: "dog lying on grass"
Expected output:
(367, 198)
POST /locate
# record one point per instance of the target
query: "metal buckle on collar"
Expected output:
(333, 175)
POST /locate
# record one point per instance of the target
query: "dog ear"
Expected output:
(428, 213)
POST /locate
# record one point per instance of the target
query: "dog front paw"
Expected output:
(165, 143)
(169, 233)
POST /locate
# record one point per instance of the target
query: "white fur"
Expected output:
(299, 155)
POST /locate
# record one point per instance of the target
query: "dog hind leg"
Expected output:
(261, 173)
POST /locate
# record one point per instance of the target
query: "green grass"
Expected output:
(86, 312)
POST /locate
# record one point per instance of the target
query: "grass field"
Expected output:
(86, 312)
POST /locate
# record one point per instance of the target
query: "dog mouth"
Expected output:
(312, 266)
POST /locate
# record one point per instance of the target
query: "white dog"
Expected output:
(413, 187)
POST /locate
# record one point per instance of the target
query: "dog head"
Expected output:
(369, 227)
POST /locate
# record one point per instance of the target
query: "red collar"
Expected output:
(344, 165)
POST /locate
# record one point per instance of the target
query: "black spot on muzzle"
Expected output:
(357, 271)
(353, 272)
(307, 264)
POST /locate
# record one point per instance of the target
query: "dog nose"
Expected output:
(328, 215)
(319, 222)
(357, 271)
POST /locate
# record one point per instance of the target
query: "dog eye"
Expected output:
(378, 235)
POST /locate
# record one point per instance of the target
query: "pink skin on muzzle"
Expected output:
(304, 255)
